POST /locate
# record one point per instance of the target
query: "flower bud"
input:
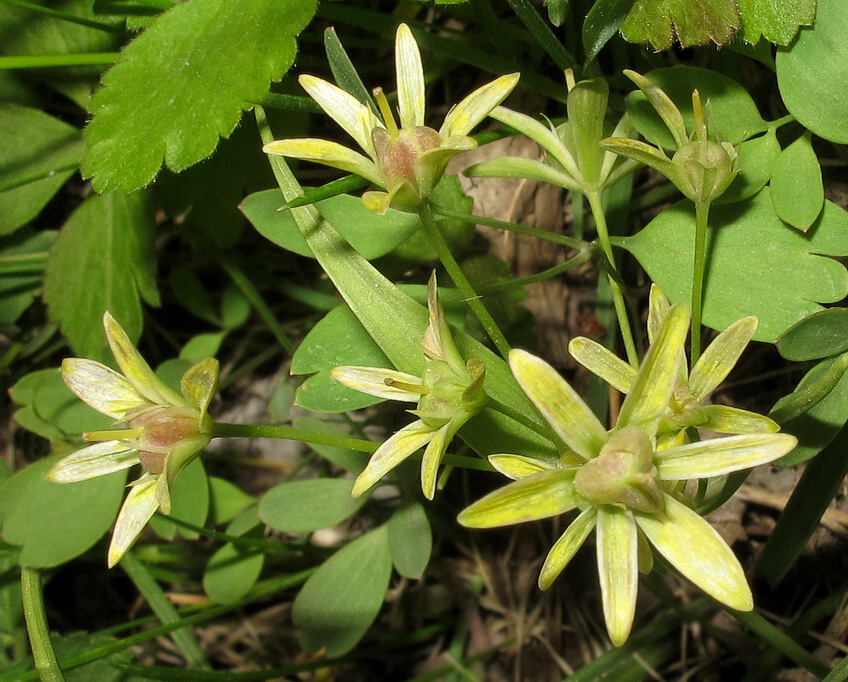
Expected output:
(708, 166)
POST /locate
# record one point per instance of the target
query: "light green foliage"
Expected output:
(662, 22)
(338, 339)
(371, 234)
(102, 260)
(818, 336)
(757, 156)
(310, 505)
(796, 184)
(54, 523)
(342, 598)
(410, 540)
(758, 265)
(349, 460)
(811, 73)
(777, 22)
(190, 502)
(209, 56)
(17, 288)
(234, 569)
(38, 154)
(226, 500)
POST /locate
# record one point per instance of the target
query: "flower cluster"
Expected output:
(448, 394)
(162, 431)
(628, 483)
(407, 160)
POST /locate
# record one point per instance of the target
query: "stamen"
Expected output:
(386, 110)
(403, 386)
(114, 434)
(569, 79)
(698, 111)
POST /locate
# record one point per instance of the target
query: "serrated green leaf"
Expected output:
(811, 73)
(733, 116)
(208, 59)
(410, 540)
(342, 598)
(796, 184)
(338, 339)
(757, 264)
(102, 260)
(371, 234)
(661, 22)
(778, 22)
(38, 153)
(310, 505)
(55, 522)
(818, 336)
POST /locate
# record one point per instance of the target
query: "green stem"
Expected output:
(65, 16)
(781, 641)
(45, 61)
(541, 31)
(225, 430)
(578, 260)
(438, 242)
(538, 427)
(597, 208)
(164, 610)
(39, 633)
(702, 215)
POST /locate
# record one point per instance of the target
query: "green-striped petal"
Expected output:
(102, 388)
(571, 419)
(92, 461)
(518, 466)
(720, 357)
(516, 167)
(328, 153)
(603, 363)
(391, 453)
(695, 549)
(356, 118)
(663, 105)
(199, 383)
(720, 456)
(618, 570)
(377, 381)
(140, 505)
(410, 79)
(432, 458)
(463, 117)
(566, 547)
(726, 419)
(541, 496)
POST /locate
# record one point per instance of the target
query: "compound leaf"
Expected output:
(660, 22)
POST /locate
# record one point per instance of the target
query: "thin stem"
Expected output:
(164, 610)
(781, 641)
(702, 214)
(441, 247)
(596, 205)
(578, 260)
(44, 61)
(537, 427)
(225, 430)
(39, 633)
(66, 16)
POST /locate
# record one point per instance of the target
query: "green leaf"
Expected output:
(18, 289)
(191, 295)
(777, 21)
(796, 184)
(757, 265)
(349, 460)
(557, 11)
(733, 117)
(601, 24)
(209, 60)
(818, 426)
(811, 73)
(51, 410)
(56, 522)
(37, 155)
(234, 569)
(235, 308)
(189, 502)
(338, 603)
(818, 336)
(371, 234)
(107, 669)
(226, 500)
(756, 159)
(338, 339)
(306, 506)
(660, 22)
(410, 540)
(102, 260)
